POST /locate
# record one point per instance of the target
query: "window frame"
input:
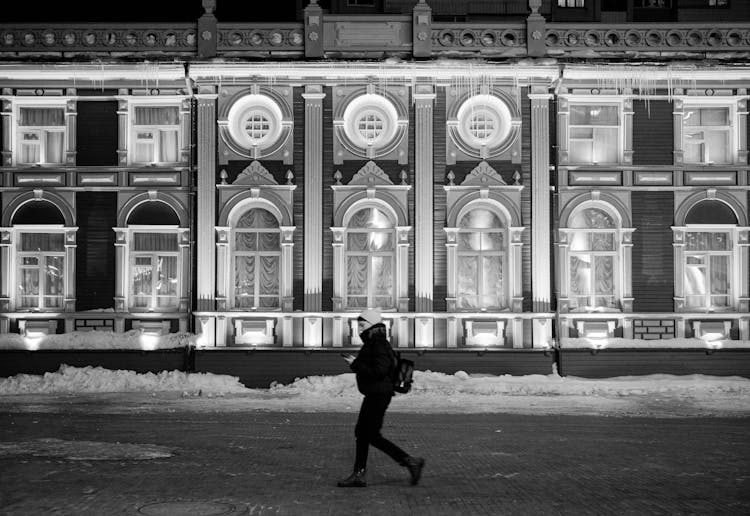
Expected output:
(697, 103)
(622, 240)
(617, 103)
(153, 305)
(134, 129)
(42, 131)
(502, 253)
(731, 253)
(593, 255)
(40, 267)
(370, 256)
(233, 297)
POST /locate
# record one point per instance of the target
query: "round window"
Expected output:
(370, 121)
(484, 120)
(255, 121)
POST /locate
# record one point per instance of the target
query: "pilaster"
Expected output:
(122, 130)
(424, 97)
(7, 147)
(313, 278)
(71, 118)
(121, 269)
(69, 280)
(540, 202)
(206, 203)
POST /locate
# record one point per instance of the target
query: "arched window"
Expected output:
(709, 247)
(256, 248)
(154, 257)
(592, 258)
(40, 256)
(482, 261)
(370, 259)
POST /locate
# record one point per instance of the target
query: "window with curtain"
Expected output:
(707, 135)
(592, 259)
(41, 269)
(594, 133)
(154, 271)
(156, 131)
(257, 260)
(708, 266)
(481, 261)
(41, 135)
(571, 3)
(370, 254)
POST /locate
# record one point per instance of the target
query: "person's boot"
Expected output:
(356, 479)
(414, 465)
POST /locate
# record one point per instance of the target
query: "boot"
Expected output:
(414, 465)
(356, 479)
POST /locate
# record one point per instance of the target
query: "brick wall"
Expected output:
(653, 329)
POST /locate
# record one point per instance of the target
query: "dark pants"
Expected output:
(367, 431)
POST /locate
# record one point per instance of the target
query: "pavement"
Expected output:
(88, 459)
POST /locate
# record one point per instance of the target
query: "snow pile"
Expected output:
(427, 383)
(89, 379)
(133, 339)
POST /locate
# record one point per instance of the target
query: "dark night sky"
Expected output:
(144, 10)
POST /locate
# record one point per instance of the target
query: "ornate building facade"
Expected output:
(497, 175)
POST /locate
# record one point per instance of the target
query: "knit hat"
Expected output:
(372, 316)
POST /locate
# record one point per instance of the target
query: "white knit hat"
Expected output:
(372, 316)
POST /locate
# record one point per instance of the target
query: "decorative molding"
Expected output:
(255, 174)
(369, 175)
(483, 175)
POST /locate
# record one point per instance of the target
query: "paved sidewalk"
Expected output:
(287, 464)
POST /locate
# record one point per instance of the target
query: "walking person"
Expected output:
(372, 367)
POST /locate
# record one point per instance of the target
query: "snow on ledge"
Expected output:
(97, 340)
(618, 343)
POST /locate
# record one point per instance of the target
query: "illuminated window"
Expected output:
(41, 268)
(256, 251)
(156, 133)
(154, 270)
(41, 135)
(481, 261)
(571, 3)
(593, 259)
(370, 254)
(594, 133)
(710, 246)
(707, 134)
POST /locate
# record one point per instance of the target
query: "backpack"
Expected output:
(402, 373)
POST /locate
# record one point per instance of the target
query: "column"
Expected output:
(183, 240)
(286, 279)
(540, 201)
(313, 251)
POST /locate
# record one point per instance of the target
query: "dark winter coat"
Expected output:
(374, 362)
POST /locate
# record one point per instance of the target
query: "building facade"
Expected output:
(489, 179)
